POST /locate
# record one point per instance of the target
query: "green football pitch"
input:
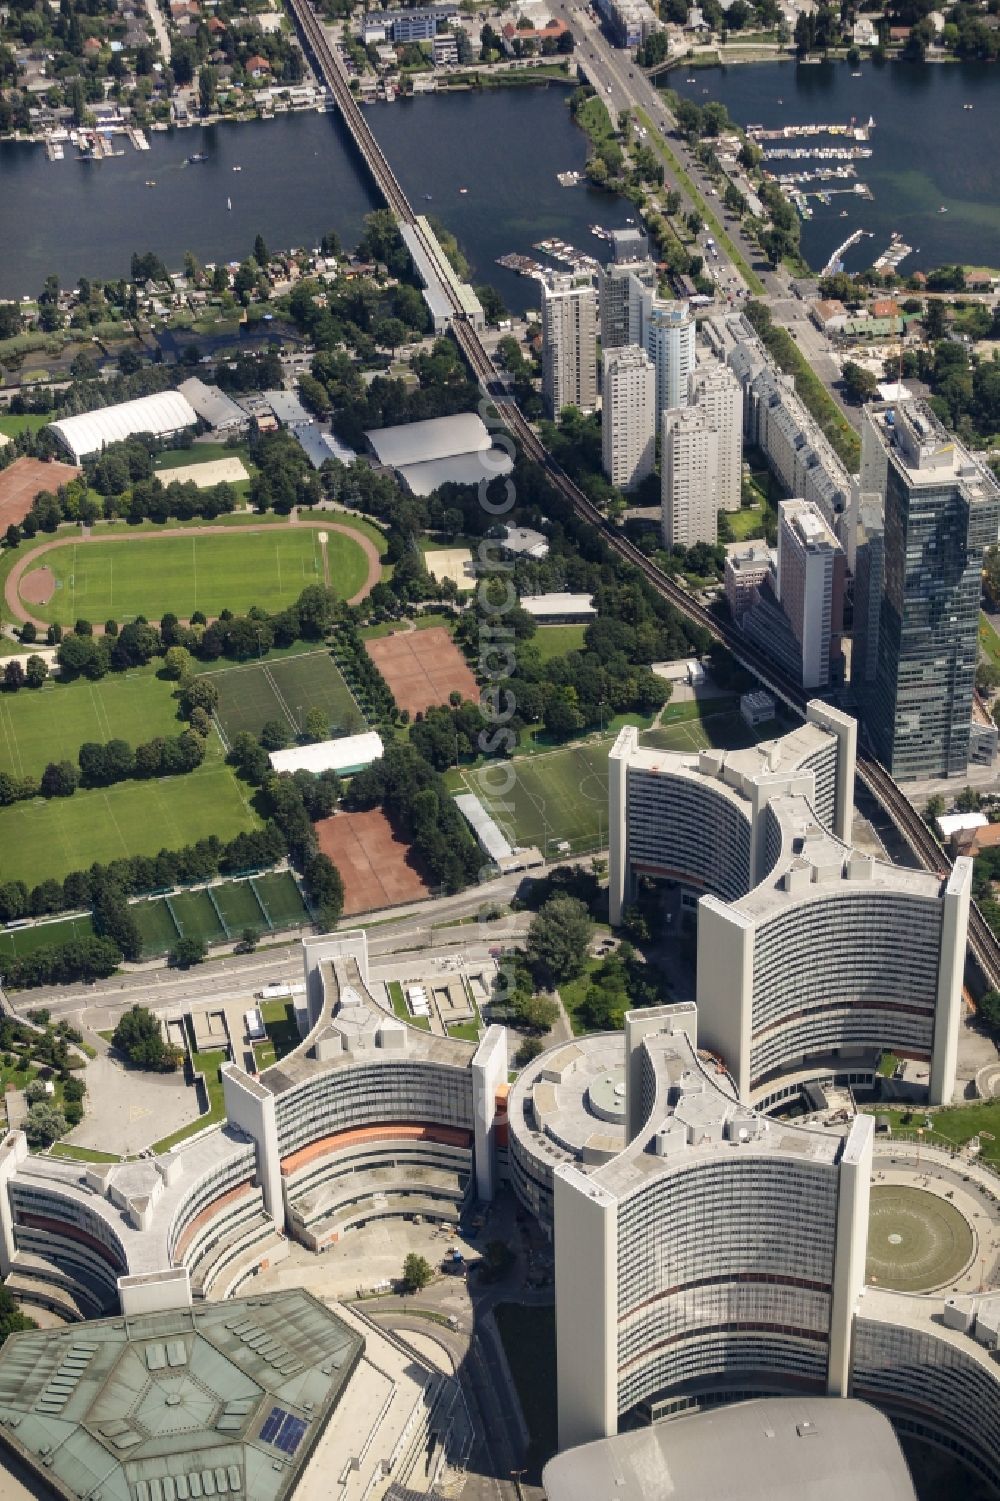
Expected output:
(187, 572)
(557, 797)
(52, 722)
(51, 837)
(561, 796)
(284, 690)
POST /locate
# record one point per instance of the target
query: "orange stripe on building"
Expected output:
(449, 1136)
(209, 1212)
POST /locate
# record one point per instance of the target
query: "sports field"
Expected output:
(52, 722)
(561, 796)
(50, 837)
(917, 1241)
(150, 575)
(220, 913)
(20, 941)
(284, 690)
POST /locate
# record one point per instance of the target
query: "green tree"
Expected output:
(417, 1273)
(557, 941)
(177, 663)
(317, 724)
(933, 808)
(11, 1318)
(274, 734)
(139, 1037)
(187, 951)
(260, 254)
(44, 1124)
(860, 384)
(36, 671)
(989, 1009)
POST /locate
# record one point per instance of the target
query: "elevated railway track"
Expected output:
(925, 849)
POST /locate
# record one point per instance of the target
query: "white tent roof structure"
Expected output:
(349, 753)
(164, 413)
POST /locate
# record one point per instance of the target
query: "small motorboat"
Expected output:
(237, 169)
(229, 204)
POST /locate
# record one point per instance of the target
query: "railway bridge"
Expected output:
(447, 299)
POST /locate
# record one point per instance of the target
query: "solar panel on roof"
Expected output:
(283, 1430)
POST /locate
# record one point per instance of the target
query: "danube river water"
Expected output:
(928, 151)
(300, 176)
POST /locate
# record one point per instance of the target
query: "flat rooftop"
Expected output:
(776, 1449)
(695, 1115)
(353, 1025)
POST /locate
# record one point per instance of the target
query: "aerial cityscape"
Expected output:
(499, 751)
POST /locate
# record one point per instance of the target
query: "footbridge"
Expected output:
(451, 303)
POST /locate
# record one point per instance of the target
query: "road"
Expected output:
(419, 929)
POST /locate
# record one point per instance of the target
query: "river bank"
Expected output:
(933, 145)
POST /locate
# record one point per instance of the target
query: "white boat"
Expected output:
(463, 190)
(237, 169)
(229, 204)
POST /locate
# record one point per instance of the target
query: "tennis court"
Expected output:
(285, 690)
(422, 668)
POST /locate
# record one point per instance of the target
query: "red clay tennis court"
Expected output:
(377, 867)
(422, 668)
(23, 480)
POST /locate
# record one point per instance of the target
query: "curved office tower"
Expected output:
(718, 1252)
(367, 1118)
(812, 957)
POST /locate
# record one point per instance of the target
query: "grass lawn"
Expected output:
(284, 690)
(746, 523)
(556, 640)
(402, 1010)
(200, 453)
(989, 640)
(281, 1028)
(51, 837)
(356, 523)
(81, 1154)
(467, 1031)
(52, 722)
(195, 915)
(237, 904)
(158, 929)
(958, 1123)
(725, 729)
(12, 426)
(574, 992)
(529, 1343)
(421, 623)
(560, 795)
(183, 573)
(20, 941)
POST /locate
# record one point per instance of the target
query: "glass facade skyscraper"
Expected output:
(941, 510)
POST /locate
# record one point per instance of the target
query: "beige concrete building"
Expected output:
(628, 416)
(569, 342)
